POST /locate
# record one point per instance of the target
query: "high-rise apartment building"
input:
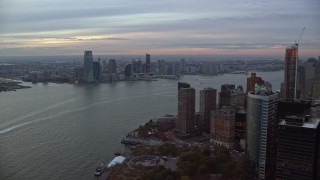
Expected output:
(223, 126)
(298, 148)
(88, 66)
(208, 101)
(230, 96)
(252, 81)
(148, 64)
(112, 66)
(186, 109)
(261, 133)
(225, 94)
(290, 73)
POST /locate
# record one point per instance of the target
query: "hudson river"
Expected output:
(63, 131)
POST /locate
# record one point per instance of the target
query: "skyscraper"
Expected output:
(112, 66)
(208, 102)
(223, 126)
(230, 96)
(186, 110)
(148, 65)
(261, 133)
(290, 107)
(290, 73)
(312, 75)
(240, 124)
(225, 94)
(298, 148)
(252, 81)
(315, 94)
(128, 72)
(96, 70)
(88, 66)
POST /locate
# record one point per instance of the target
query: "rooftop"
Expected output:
(312, 125)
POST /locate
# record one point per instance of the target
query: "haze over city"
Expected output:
(123, 27)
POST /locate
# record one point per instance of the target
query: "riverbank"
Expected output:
(11, 86)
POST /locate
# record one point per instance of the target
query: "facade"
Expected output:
(289, 107)
(230, 96)
(208, 101)
(128, 71)
(223, 126)
(148, 64)
(315, 91)
(186, 111)
(290, 71)
(88, 66)
(311, 75)
(261, 133)
(137, 66)
(96, 70)
(298, 148)
(112, 66)
(252, 81)
(225, 94)
(240, 124)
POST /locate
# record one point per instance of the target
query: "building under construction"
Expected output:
(290, 72)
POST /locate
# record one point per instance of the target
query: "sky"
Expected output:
(168, 27)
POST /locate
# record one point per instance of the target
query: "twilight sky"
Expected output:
(189, 27)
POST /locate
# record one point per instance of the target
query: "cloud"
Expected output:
(133, 26)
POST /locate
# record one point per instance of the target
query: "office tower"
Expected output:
(223, 126)
(261, 133)
(186, 109)
(209, 68)
(112, 66)
(290, 74)
(312, 74)
(88, 66)
(298, 148)
(182, 65)
(104, 66)
(315, 94)
(225, 94)
(208, 101)
(177, 68)
(137, 66)
(315, 109)
(128, 72)
(183, 85)
(289, 107)
(229, 96)
(252, 81)
(96, 70)
(148, 65)
(161, 67)
(302, 82)
(240, 124)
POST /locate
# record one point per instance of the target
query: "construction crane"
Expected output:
(297, 60)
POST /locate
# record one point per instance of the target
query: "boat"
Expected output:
(99, 170)
(117, 153)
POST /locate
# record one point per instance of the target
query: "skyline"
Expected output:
(44, 28)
